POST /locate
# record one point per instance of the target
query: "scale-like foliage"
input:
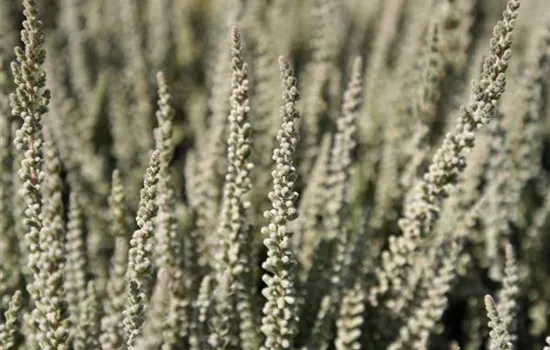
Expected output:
(200, 267)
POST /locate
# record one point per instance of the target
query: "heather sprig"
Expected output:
(318, 73)
(425, 104)
(221, 336)
(507, 299)
(342, 151)
(316, 283)
(524, 133)
(201, 306)
(386, 191)
(350, 320)
(75, 271)
(370, 125)
(139, 272)
(455, 31)
(263, 102)
(246, 307)
(415, 333)
(153, 330)
(80, 74)
(139, 261)
(123, 143)
(136, 67)
(500, 338)
(503, 195)
(111, 336)
(165, 118)
(134, 313)
(29, 331)
(337, 184)
(50, 315)
(212, 153)
(30, 102)
(168, 240)
(422, 108)
(88, 328)
(237, 178)
(12, 321)
(233, 228)
(77, 153)
(176, 327)
(308, 226)
(9, 269)
(280, 319)
(449, 160)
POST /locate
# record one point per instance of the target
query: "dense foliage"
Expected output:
(275, 174)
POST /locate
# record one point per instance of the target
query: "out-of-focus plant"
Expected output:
(460, 222)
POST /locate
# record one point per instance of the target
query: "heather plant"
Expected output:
(403, 206)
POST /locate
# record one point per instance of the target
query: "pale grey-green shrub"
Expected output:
(385, 224)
